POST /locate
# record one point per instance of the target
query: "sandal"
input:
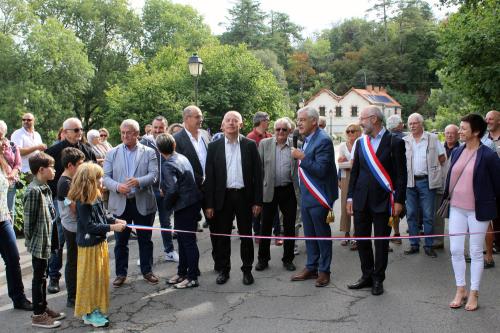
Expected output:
(474, 294)
(489, 264)
(458, 304)
(354, 246)
(176, 279)
(186, 284)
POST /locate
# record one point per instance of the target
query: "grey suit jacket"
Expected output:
(267, 152)
(146, 172)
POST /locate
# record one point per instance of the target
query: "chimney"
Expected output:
(369, 88)
(376, 89)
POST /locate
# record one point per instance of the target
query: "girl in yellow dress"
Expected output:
(92, 285)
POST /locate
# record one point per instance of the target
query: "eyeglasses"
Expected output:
(76, 130)
(363, 118)
(28, 120)
(351, 131)
(103, 135)
(281, 129)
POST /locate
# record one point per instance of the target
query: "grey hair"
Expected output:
(67, 123)
(162, 119)
(393, 121)
(131, 123)
(3, 127)
(375, 111)
(187, 111)
(311, 112)
(418, 116)
(92, 134)
(165, 143)
(283, 120)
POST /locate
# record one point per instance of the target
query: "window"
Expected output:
(321, 110)
(338, 111)
(354, 111)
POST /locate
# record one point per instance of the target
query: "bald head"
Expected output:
(232, 123)
(493, 121)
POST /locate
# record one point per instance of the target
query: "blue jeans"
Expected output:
(11, 202)
(56, 257)
(421, 197)
(132, 216)
(10, 256)
(319, 252)
(164, 216)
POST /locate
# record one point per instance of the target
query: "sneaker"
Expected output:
(186, 284)
(97, 313)
(95, 320)
(296, 250)
(172, 256)
(44, 321)
(55, 315)
(24, 304)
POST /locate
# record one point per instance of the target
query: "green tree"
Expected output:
(282, 33)
(246, 24)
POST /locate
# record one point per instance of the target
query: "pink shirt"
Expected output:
(463, 194)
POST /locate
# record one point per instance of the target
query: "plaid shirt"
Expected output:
(38, 215)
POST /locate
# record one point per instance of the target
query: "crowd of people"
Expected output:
(81, 188)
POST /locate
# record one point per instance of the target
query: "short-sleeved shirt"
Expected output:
(68, 218)
(24, 139)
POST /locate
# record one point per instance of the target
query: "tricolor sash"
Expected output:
(314, 190)
(377, 168)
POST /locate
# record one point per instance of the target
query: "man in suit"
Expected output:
(130, 170)
(370, 202)
(233, 186)
(317, 164)
(280, 182)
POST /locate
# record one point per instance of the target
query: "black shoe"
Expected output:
(25, 304)
(489, 264)
(205, 224)
(70, 303)
(174, 235)
(430, 252)
(53, 287)
(361, 283)
(289, 266)
(377, 288)
(261, 265)
(389, 249)
(412, 250)
(247, 278)
(222, 278)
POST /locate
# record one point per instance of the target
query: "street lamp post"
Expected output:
(195, 67)
(331, 122)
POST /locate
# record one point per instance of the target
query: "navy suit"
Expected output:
(319, 166)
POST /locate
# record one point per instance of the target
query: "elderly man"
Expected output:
(73, 132)
(28, 140)
(322, 122)
(130, 170)
(233, 187)
(318, 192)
(159, 126)
(395, 125)
(424, 157)
(280, 183)
(378, 178)
(451, 139)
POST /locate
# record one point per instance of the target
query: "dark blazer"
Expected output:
(178, 183)
(185, 147)
(365, 190)
(319, 166)
(93, 224)
(485, 181)
(216, 173)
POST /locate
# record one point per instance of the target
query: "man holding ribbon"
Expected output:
(377, 190)
(318, 192)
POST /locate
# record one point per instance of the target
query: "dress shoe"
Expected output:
(305, 274)
(53, 287)
(438, 246)
(412, 250)
(25, 304)
(222, 278)
(261, 265)
(361, 283)
(430, 252)
(289, 266)
(70, 303)
(323, 279)
(119, 281)
(377, 288)
(151, 278)
(247, 278)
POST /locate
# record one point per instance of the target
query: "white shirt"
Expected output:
(24, 139)
(200, 148)
(234, 169)
(420, 154)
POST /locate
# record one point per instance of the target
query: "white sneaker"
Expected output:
(172, 256)
(296, 250)
(138, 262)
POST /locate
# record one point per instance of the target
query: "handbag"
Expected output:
(444, 209)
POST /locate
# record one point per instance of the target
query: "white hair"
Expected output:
(3, 127)
(393, 121)
(92, 134)
(311, 112)
(187, 111)
(284, 121)
(130, 123)
(68, 122)
(375, 111)
(417, 116)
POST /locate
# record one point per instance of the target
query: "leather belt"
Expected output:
(420, 177)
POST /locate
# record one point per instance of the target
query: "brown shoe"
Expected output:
(323, 279)
(55, 315)
(151, 278)
(119, 281)
(305, 274)
(44, 321)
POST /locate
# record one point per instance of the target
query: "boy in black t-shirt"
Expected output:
(71, 158)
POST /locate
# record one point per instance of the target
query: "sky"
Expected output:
(312, 15)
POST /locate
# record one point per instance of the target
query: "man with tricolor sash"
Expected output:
(318, 192)
(377, 191)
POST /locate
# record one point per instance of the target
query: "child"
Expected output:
(38, 215)
(92, 282)
(71, 158)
